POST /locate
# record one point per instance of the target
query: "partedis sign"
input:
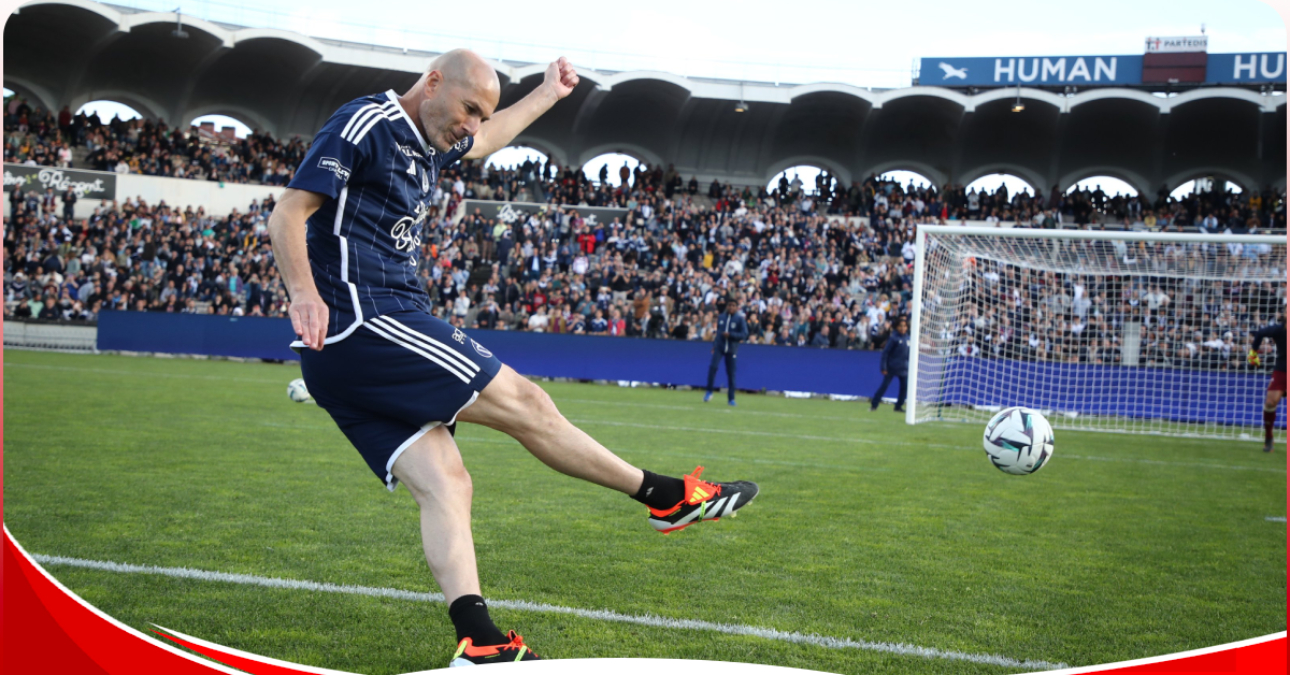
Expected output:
(86, 184)
(510, 212)
(1166, 45)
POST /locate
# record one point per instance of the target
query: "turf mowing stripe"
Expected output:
(1160, 462)
(144, 373)
(749, 432)
(746, 432)
(522, 605)
(725, 410)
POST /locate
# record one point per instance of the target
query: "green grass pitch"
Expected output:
(866, 529)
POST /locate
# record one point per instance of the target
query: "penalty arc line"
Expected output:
(523, 605)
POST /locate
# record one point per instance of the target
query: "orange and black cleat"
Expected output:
(470, 655)
(703, 501)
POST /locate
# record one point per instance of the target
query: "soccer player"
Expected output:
(1277, 387)
(347, 238)
(732, 327)
(894, 363)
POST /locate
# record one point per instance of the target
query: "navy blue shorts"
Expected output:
(395, 378)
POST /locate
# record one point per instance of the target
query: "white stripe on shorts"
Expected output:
(452, 368)
(427, 342)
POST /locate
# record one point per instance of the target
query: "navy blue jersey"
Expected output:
(365, 241)
(1277, 333)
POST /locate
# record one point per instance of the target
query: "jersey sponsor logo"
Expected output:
(483, 351)
(459, 336)
(406, 231)
(333, 165)
(409, 151)
(460, 146)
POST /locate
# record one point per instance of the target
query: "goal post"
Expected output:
(1134, 332)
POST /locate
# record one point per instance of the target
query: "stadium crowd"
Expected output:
(1194, 319)
(808, 272)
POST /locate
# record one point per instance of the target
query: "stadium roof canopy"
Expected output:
(287, 83)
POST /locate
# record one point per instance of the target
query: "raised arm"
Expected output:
(287, 231)
(505, 125)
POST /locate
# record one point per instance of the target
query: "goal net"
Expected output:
(1105, 331)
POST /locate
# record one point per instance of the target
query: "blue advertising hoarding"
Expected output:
(1260, 68)
(1084, 71)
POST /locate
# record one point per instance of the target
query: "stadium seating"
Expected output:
(801, 259)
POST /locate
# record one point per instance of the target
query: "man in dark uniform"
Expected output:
(894, 364)
(347, 237)
(1277, 387)
(732, 328)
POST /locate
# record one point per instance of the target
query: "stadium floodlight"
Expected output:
(1131, 332)
(741, 106)
(179, 31)
(1018, 106)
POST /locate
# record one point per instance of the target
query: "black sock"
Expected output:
(470, 617)
(660, 492)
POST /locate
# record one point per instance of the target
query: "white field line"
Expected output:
(660, 427)
(523, 605)
(1276, 519)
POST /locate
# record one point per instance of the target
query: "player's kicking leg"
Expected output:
(521, 409)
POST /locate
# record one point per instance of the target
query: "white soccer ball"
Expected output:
(1018, 441)
(297, 391)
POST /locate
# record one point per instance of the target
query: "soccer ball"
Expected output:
(1018, 441)
(297, 391)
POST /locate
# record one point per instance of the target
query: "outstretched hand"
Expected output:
(561, 77)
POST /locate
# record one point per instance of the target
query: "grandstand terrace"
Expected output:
(697, 218)
(286, 84)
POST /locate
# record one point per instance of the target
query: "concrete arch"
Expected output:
(1010, 93)
(1133, 178)
(552, 151)
(840, 172)
(248, 34)
(128, 22)
(143, 105)
(936, 176)
(1029, 176)
(1126, 95)
(247, 116)
(640, 153)
(521, 73)
(829, 87)
(635, 75)
(35, 93)
(961, 100)
(1246, 182)
(92, 7)
(1230, 93)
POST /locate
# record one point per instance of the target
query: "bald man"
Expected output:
(347, 238)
